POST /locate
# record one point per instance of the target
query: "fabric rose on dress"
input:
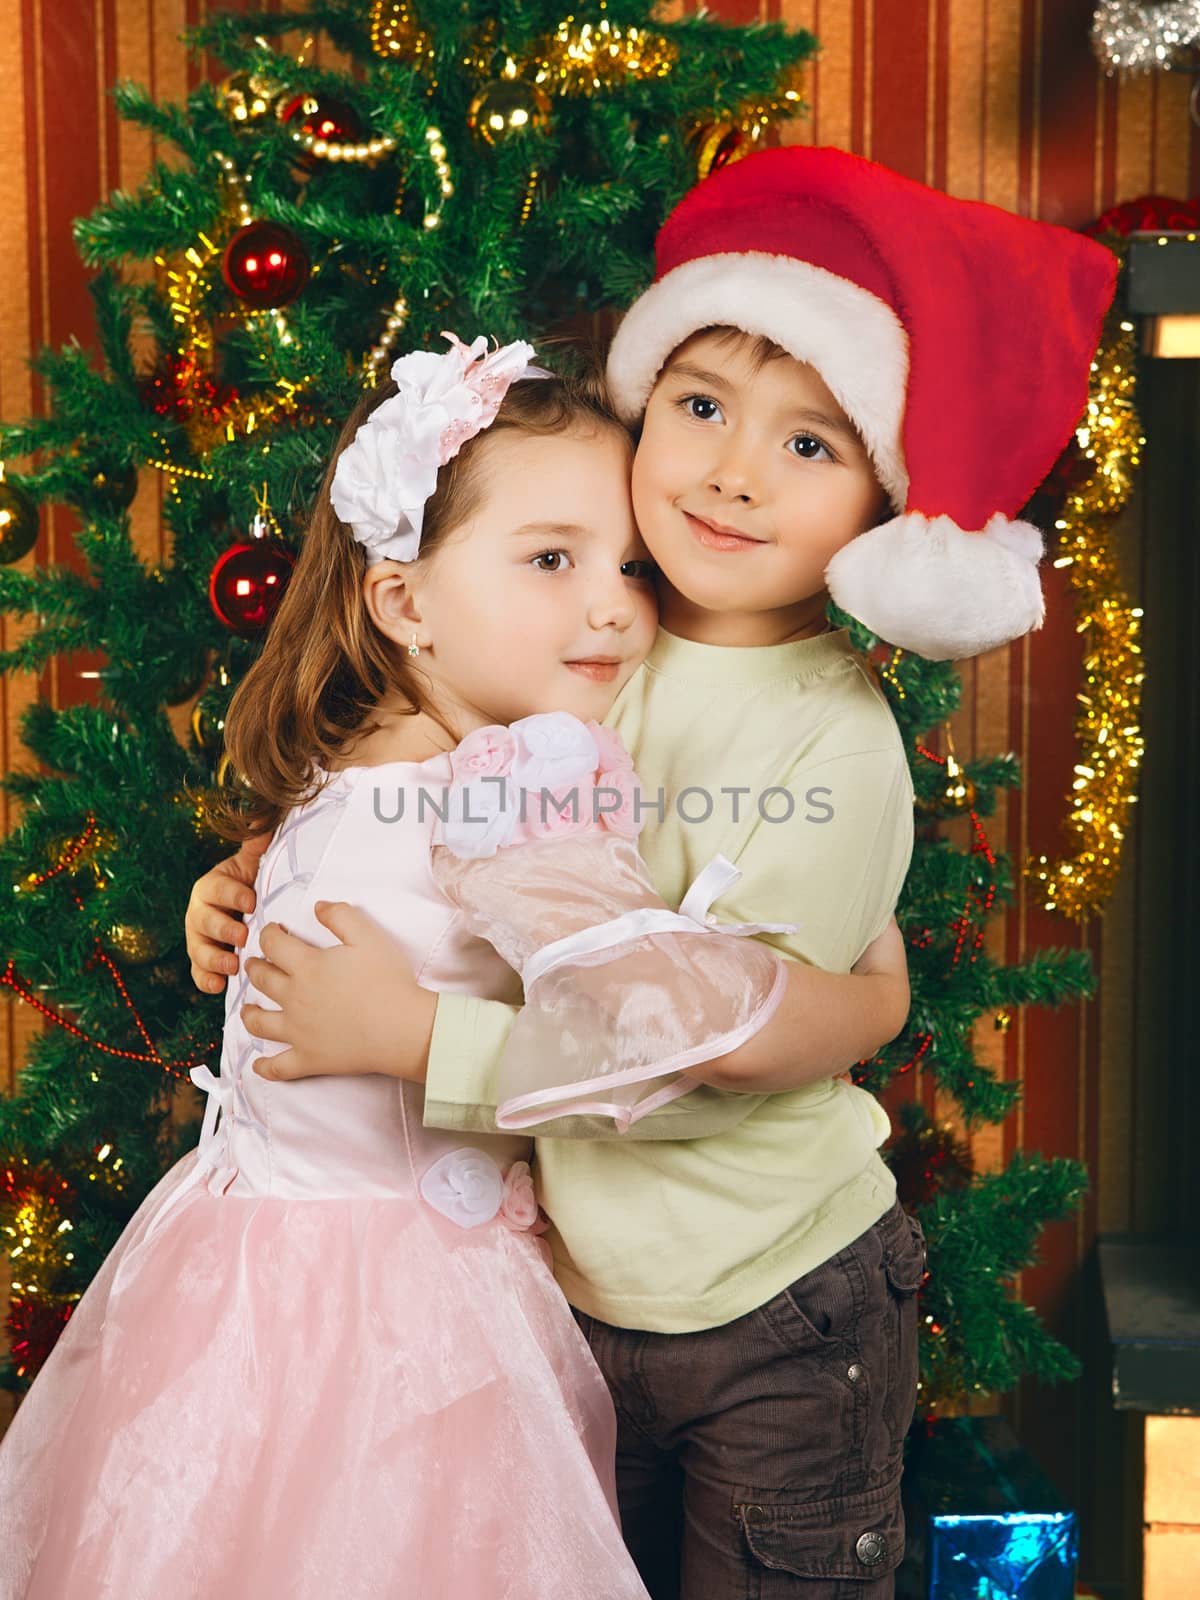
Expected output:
(481, 816)
(485, 753)
(620, 818)
(554, 750)
(464, 1186)
(613, 755)
(543, 819)
(518, 1206)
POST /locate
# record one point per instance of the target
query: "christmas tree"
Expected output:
(481, 169)
(981, 1229)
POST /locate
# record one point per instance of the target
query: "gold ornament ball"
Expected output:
(18, 522)
(245, 98)
(207, 729)
(1002, 1021)
(720, 144)
(133, 944)
(228, 776)
(507, 109)
(956, 796)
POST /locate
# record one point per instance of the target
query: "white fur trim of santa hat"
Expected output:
(855, 341)
(923, 584)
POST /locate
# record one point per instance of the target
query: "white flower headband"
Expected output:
(388, 471)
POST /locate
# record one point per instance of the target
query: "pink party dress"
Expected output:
(326, 1357)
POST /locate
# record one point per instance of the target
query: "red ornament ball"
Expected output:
(323, 117)
(247, 584)
(265, 265)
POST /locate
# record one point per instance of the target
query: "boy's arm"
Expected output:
(842, 1019)
(216, 902)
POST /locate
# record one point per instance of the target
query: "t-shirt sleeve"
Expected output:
(461, 1093)
(833, 860)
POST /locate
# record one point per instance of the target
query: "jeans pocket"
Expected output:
(821, 1309)
(851, 1539)
(903, 1251)
(904, 1269)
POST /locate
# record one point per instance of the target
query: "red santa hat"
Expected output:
(957, 337)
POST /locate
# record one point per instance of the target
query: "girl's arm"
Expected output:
(356, 1007)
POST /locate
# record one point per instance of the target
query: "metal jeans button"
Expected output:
(871, 1549)
(854, 1372)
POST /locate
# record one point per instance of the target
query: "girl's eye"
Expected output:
(809, 448)
(642, 570)
(701, 407)
(557, 556)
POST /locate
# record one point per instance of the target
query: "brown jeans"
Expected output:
(761, 1460)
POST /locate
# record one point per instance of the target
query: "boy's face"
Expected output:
(748, 479)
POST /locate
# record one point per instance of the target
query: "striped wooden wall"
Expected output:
(990, 99)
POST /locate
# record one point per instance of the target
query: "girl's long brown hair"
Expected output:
(325, 666)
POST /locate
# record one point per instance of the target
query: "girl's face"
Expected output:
(749, 478)
(544, 599)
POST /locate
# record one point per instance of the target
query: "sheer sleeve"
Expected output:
(622, 993)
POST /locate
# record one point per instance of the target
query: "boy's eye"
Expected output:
(809, 448)
(643, 570)
(559, 558)
(700, 406)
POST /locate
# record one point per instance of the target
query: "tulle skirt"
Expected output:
(261, 1398)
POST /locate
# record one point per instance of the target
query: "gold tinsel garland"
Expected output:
(581, 57)
(1107, 727)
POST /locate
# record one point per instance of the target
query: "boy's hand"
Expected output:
(211, 923)
(349, 1009)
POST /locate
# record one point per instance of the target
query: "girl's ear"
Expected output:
(390, 601)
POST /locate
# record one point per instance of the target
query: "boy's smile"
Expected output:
(714, 535)
(748, 479)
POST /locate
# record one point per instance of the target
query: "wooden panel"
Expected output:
(1171, 1559)
(1172, 1492)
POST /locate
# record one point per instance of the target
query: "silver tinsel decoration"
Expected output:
(1139, 36)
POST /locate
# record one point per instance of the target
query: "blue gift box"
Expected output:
(983, 1522)
(1017, 1555)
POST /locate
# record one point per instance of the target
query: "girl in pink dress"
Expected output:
(327, 1357)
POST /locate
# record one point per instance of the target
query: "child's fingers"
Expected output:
(267, 979)
(264, 1024)
(207, 982)
(227, 894)
(215, 928)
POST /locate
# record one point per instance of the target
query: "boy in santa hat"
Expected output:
(846, 385)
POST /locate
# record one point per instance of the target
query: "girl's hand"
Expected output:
(211, 924)
(349, 1009)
